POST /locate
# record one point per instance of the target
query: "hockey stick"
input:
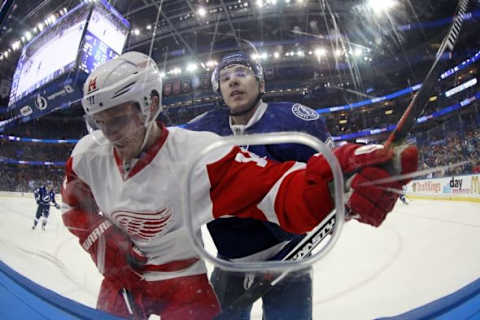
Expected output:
(405, 124)
(418, 103)
(130, 304)
(264, 284)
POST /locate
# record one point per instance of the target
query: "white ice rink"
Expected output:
(423, 251)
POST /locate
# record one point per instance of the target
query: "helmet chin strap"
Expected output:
(149, 126)
(147, 134)
(254, 104)
(129, 164)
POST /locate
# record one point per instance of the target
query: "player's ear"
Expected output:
(261, 87)
(155, 104)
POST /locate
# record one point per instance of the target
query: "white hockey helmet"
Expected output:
(131, 77)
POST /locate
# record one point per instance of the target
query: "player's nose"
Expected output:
(112, 132)
(233, 82)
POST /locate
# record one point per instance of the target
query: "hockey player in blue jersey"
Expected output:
(44, 197)
(240, 82)
(403, 195)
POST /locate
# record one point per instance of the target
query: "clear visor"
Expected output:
(119, 127)
(229, 71)
(239, 71)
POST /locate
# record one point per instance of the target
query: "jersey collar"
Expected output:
(239, 129)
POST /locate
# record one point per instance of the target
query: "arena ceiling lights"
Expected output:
(381, 6)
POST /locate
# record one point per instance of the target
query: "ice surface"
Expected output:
(422, 252)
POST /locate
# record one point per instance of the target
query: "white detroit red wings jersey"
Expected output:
(147, 202)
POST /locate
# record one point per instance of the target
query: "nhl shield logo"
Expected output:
(304, 113)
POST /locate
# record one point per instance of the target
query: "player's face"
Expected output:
(239, 87)
(123, 126)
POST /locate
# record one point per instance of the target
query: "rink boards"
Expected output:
(457, 188)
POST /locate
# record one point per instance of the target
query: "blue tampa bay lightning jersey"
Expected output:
(235, 237)
(43, 196)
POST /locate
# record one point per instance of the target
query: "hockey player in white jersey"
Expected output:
(123, 193)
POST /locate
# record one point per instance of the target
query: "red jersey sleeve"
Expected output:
(80, 215)
(246, 186)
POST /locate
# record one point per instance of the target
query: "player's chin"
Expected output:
(125, 151)
(238, 107)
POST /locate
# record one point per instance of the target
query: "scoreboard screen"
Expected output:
(103, 40)
(81, 40)
(49, 55)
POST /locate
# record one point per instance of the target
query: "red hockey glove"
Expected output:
(114, 254)
(362, 164)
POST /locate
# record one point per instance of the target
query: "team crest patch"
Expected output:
(304, 113)
(145, 225)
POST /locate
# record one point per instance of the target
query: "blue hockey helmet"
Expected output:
(236, 58)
